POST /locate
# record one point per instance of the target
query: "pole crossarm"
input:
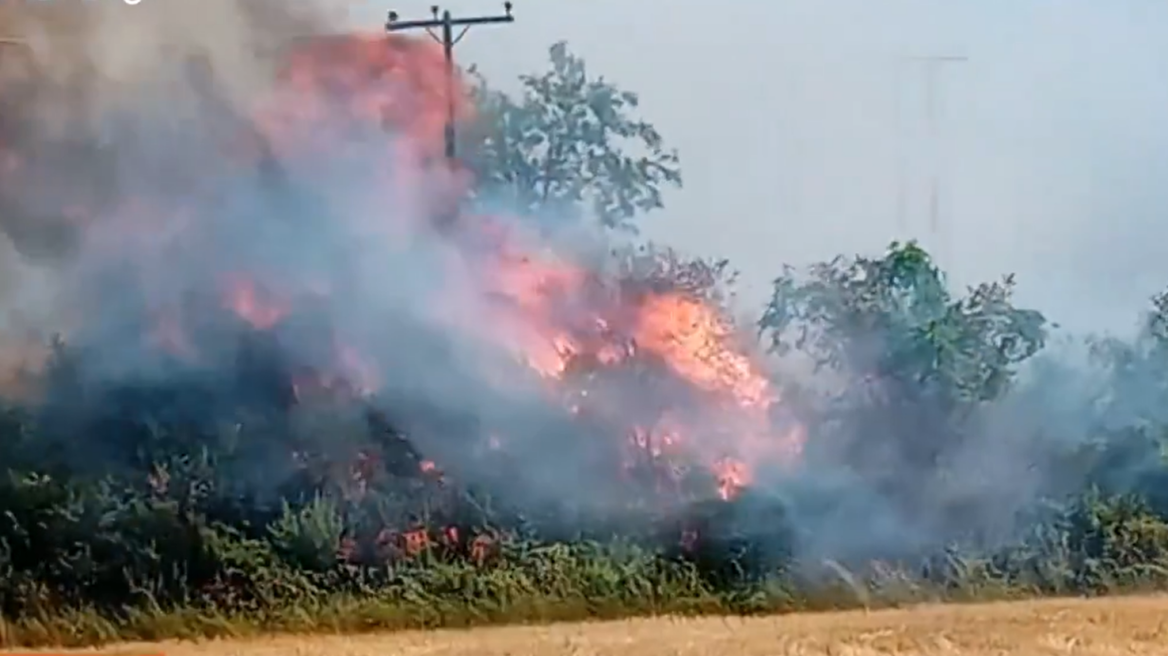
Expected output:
(397, 26)
(446, 21)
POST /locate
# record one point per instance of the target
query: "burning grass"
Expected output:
(303, 252)
(292, 366)
(300, 384)
(551, 583)
(316, 225)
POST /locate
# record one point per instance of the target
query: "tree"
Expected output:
(663, 269)
(910, 364)
(570, 144)
(893, 318)
(1127, 446)
(1136, 371)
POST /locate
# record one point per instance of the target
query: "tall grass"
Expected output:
(544, 583)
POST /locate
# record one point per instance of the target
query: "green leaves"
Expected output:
(906, 365)
(560, 147)
(1135, 389)
(893, 319)
(309, 536)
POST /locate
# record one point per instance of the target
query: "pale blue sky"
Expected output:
(1055, 131)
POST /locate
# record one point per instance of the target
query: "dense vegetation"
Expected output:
(953, 453)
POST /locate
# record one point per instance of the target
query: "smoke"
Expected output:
(192, 189)
(1050, 154)
(245, 204)
(164, 164)
(95, 98)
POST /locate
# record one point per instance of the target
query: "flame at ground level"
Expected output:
(660, 368)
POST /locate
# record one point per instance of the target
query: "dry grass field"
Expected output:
(1082, 627)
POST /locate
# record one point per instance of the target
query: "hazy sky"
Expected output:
(1054, 134)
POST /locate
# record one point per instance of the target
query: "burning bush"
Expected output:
(270, 329)
(295, 359)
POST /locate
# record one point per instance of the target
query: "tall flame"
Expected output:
(555, 314)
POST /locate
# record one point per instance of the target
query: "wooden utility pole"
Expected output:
(448, 40)
(932, 68)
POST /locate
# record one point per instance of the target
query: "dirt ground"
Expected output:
(1095, 627)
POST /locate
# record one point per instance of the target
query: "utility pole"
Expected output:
(932, 68)
(448, 40)
(901, 164)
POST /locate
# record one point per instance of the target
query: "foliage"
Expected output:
(911, 366)
(216, 506)
(560, 147)
(893, 319)
(165, 536)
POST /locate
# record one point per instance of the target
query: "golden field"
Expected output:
(1137, 625)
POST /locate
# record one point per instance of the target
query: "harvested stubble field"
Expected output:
(1133, 625)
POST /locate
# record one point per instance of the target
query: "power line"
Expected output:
(448, 40)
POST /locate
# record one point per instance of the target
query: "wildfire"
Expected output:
(261, 312)
(692, 337)
(559, 318)
(555, 320)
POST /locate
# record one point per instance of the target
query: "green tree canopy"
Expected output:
(1136, 390)
(914, 361)
(570, 143)
(894, 318)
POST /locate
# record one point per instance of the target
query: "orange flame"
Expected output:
(259, 310)
(552, 313)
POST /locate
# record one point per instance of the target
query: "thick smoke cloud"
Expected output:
(100, 101)
(184, 176)
(157, 161)
(786, 115)
(1051, 151)
(150, 166)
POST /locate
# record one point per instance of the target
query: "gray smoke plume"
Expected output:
(174, 159)
(95, 96)
(158, 157)
(150, 168)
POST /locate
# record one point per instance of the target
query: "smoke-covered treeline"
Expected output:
(941, 419)
(267, 353)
